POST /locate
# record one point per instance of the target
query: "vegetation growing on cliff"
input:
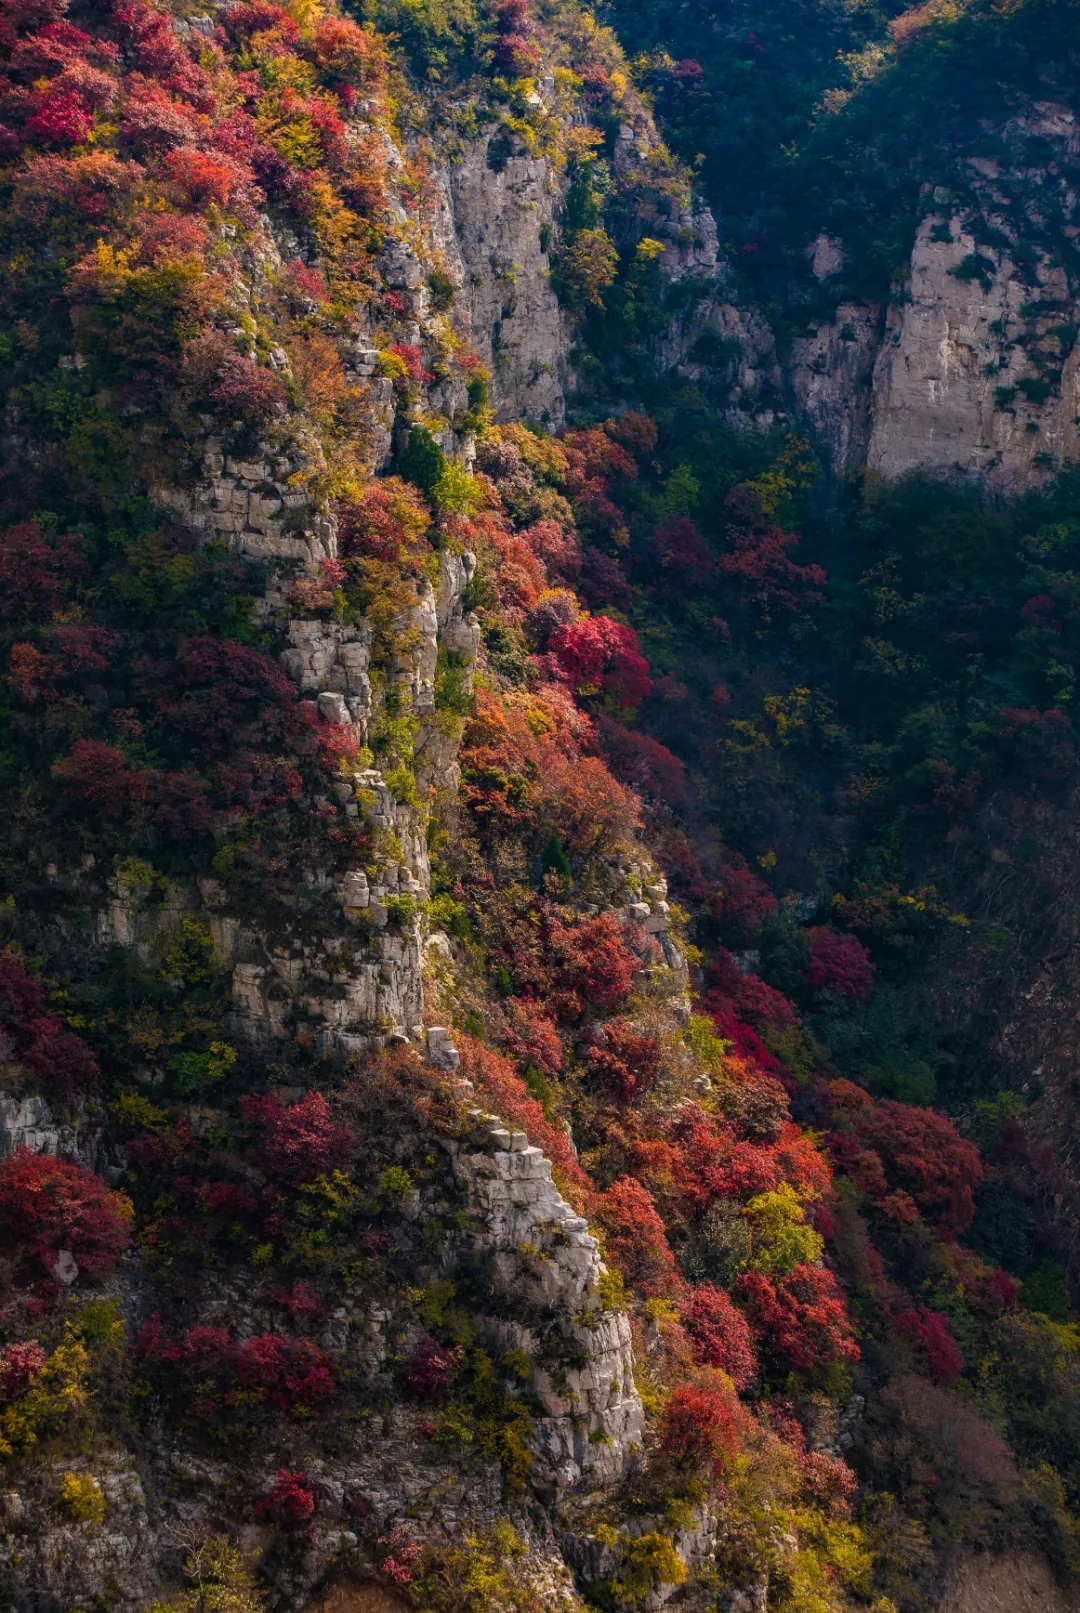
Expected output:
(277, 1266)
(802, 119)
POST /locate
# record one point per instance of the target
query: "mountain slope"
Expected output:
(403, 1201)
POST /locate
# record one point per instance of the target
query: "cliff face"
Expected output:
(382, 1222)
(498, 209)
(969, 370)
(334, 958)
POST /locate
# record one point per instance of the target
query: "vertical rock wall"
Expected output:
(971, 370)
(494, 222)
(971, 377)
(545, 1255)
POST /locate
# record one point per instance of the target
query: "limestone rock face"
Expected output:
(970, 371)
(494, 224)
(735, 341)
(66, 1563)
(830, 374)
(331, 661)
(29, 1123)
(957, 383)
(544, 1254)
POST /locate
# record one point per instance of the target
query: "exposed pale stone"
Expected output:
(441, 1050)
(488, 224)
(945, 356)
(29, 1123)
(332, 706)
(658, 918)
(65, 1267)
(545, 1254)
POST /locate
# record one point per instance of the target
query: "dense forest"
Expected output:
(534, 898)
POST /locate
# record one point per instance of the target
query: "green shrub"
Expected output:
(973, 266)
(422, 461)
(1035, 388)
(451, 684)
(402, 786)
(395, 1182)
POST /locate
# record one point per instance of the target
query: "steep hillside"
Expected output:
(896, 191)
(406, 1198)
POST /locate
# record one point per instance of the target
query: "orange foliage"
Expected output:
(389, 521)
(522, 765)
(316, 364)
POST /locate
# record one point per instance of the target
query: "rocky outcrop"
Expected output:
(545, 1256)
(596, 1559)
(250, 506)
(830, 374)
(29, 1123)
(970, 378)
(719, 336)
(67, 1563)
(494, 222)
(971, 370)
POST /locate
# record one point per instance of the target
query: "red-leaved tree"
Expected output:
(298, 1142)
(718, 1333)
(289, 1375)
(635, 1240)
(839, 963)
(760, 559)
(799, 1320)
(700, 1426)
(599, 656)
(291, 1502)
(928, 1334)
(61, 1058)
(430, 1367)
(48, 1205)
(626, 1064)
(925, 1156)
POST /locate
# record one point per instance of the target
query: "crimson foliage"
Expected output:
(598, 655)
(47, 1205)
(799, 1319)
(61, 1058)
(626, 1063)
(924, 1154)
(292, 1500)
(430, 1367)
(213, 1373)
(296, 1143)
(719, 1333)
(839, 963)
(700, 1426)
(635, 1240)
(928, 1334)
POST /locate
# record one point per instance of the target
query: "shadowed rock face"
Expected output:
(953, 388)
